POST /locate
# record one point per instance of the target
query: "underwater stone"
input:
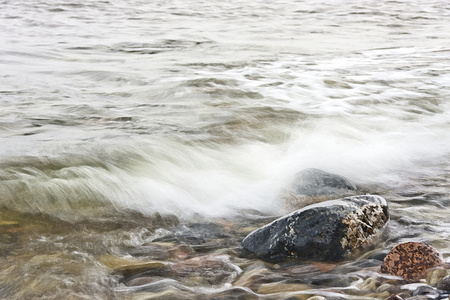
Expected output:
(313, 185)
(411, 260)
(206, 269)
(213, 269)
(280, 287)
(233, 293)
(314, 182)
(129, 266)
(328, 231)
(435, 275)
(444, 284)
(201, 237)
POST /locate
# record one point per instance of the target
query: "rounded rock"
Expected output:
(311, 186)
(411, 260)
(314, 182)
(328, 231)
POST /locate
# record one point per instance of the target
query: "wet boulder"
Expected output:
(314, 182)
(313, 185)
(327, 231)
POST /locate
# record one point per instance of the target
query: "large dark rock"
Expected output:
(327, 231)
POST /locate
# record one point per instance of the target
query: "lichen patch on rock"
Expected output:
(363, 225)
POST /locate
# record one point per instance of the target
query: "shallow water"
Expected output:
(123, 120)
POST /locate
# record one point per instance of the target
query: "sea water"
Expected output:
(204, 109)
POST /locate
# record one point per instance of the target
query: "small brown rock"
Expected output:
(411, 260)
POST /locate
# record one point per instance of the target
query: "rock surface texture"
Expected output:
(328, 231)
(411, 260)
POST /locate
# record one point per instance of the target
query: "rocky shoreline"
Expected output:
(339, 244)
(321, 251)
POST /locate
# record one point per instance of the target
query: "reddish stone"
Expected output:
(411, 260)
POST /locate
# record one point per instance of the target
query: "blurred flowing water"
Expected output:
(118, 115)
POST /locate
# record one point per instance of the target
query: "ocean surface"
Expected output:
(114, 112)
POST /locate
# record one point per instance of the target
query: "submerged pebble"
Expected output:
(280, 287)
(128, 266)
(162, 251)
(201, 237)
(202, 270)
(207, 269)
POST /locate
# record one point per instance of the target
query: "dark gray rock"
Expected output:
(430, 293)
(445, 284)
(313, 185)
(314, 182)
(327, 231)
